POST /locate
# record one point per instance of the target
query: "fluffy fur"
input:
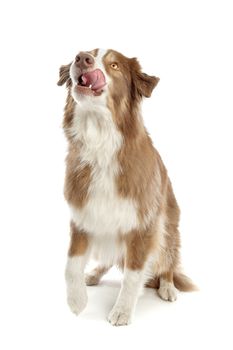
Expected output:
(123, 209)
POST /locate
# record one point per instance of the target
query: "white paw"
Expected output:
(167, 291)
(91, 280)
(119, 317)
(77, 299)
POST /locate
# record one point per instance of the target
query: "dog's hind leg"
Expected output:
(93, 277)
(167, 290)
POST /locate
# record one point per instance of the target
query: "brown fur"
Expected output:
(138, 245)
(184, 283)
(68, 115)
(78, 241)
(129, 84)
(77, 179)
(143, 171)
(93, 52)
(137, 157)
(64, 76)
(137, 171)
(153, 283)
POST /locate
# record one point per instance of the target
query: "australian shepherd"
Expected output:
(123, 209)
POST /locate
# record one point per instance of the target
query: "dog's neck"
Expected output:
(97, 134)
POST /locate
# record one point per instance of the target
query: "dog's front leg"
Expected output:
(137, 251)
(77, 257)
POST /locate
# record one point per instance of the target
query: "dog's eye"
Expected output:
(114, 66)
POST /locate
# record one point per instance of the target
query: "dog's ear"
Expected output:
(64, 75)
(144, 84)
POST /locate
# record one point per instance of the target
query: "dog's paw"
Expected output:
(77, 300)
(91, 280)
(167, 291)
(119, 317)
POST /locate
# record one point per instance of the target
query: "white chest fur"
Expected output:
(105, 212)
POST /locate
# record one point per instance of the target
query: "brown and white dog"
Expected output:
(123, 210)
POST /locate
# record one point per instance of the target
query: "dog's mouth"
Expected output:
(91, 83)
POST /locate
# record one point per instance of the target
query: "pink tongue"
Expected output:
(95, 78)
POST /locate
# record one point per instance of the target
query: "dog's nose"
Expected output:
(84, 60)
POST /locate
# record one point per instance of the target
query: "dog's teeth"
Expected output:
(90, 86)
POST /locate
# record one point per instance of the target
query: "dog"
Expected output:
(123, 209)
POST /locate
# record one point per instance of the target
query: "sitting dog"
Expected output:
(123, 209)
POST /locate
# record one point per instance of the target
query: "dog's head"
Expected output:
(101, 74)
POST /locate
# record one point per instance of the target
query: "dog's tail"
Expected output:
(183, 283)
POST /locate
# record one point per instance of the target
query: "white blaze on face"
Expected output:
(100, 64)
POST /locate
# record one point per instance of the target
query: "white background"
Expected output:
(188, 44)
